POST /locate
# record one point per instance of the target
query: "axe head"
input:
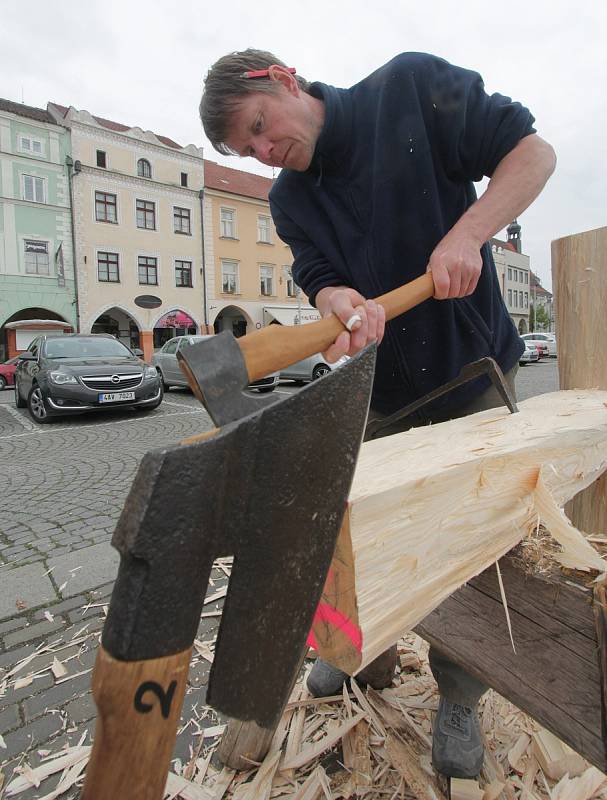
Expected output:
(269, 489)
(217, 374)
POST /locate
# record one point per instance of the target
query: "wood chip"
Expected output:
(57, 668)
(312, 752)
(176, 786)
(465, 790)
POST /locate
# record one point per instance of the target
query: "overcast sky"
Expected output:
(142, 63)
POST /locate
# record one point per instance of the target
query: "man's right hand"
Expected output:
(345, 303)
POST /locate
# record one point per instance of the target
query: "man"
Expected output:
(376, 188)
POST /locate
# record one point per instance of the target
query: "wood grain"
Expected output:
(579, 277)
(432, 507)
(554, 675)
(133, 713)
(278, 346)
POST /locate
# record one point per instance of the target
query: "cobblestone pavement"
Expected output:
(64, 485)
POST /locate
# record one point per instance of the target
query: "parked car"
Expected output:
(7, 372)
(310, 369)
(75, 373)
(546, 341)
(166, 363)
(529, 355)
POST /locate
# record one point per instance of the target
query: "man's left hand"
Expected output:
(455, 265)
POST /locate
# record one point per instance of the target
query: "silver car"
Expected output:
(165, 361)
(310, 369)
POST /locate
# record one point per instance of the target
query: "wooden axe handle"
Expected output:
(277, 346)
(138, 704)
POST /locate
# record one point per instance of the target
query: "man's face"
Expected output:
(279, 129)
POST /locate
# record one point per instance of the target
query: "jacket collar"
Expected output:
(335, 137)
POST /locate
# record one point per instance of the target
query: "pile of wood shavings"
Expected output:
(368, 744)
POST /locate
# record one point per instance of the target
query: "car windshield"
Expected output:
(86, 347)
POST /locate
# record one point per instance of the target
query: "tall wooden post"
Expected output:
(579, 279)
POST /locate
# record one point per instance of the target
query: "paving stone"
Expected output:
(57, 696)
(97, 565)
(40, 684)
(31, 632)
(32, 735)
(28, 584)
(9, 719)
(82, 709)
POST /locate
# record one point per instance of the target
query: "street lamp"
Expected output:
(288, 277)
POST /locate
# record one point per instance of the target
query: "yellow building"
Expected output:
(138, 234)
(248, 268)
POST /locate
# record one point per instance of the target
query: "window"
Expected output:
(101, 159)
(105, 207)
(509, 273)
(171, 347)
(144, 168)
(515, 299)
(264, 229)
(266, 275)
(146, 215)
(291, 288)
(29, 145)
(510, 297)
(184, 178)
(107, 267)
(527, 277)
(33, 189)
(36, 258)
(229, 277)
(181, 220)
(228, 223)
(148, 270)
(526, 299)
(520, 299)
(183, 273)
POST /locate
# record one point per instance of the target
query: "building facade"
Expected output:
(514, 276)
(138, 233)
(37, 284)
(542, 303)
(248, 267)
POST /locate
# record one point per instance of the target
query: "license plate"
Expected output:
(115, 397)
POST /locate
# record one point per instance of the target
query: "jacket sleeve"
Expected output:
(311, 270)
(472, 130)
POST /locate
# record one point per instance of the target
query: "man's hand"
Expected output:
(455, 265)
(344, 303)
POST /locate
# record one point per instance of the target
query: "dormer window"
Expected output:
(144, 169)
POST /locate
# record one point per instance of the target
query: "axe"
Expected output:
(269, 487)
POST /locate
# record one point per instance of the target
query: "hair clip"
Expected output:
(262, 73)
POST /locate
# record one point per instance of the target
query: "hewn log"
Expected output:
(579, 277)
(431, 508)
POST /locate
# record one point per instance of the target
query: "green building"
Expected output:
(37, 289)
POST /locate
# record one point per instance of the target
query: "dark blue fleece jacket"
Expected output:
(392, 173)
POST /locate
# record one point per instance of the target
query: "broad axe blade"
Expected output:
(269, 489)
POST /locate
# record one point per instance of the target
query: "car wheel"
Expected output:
(2, 382)
(165, 386)
(320, 370)
(36, 406)
(19, 401)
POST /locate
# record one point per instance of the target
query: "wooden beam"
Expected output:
(431, 508)
(579, 276)
(554, 675)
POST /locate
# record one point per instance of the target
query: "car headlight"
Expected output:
(61, 378)
(149, 372)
